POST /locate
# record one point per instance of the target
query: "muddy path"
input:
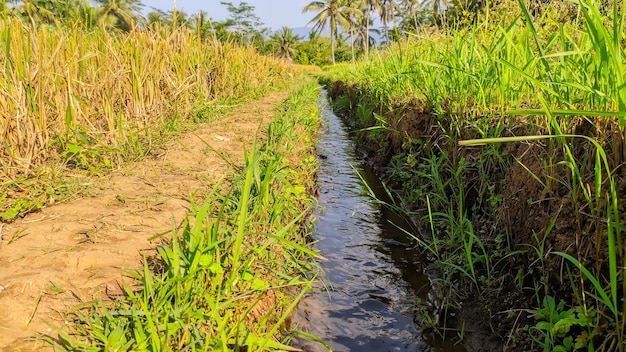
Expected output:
(76, 252)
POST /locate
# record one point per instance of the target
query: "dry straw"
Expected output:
(70, 91)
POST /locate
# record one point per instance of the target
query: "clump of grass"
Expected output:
(230, 277)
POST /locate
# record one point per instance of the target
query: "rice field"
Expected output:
(505, 139)
(88, 100)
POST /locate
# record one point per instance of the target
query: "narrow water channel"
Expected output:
(373, 276)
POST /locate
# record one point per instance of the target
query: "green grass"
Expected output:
(231, 275)
(460, 111)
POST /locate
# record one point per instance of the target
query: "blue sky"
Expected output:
(273, 13)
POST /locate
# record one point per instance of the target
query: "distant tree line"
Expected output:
(342, 30)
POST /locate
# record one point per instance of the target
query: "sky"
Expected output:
(274, 14)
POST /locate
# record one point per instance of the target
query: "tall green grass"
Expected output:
(522, 79)
(231, 275)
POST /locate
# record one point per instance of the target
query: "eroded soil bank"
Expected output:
(80, 251)
(514, 203)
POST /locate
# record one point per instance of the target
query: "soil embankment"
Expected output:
(73, 253)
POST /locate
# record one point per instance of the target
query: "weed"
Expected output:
(555, 325)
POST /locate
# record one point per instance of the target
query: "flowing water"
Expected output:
(373, 275)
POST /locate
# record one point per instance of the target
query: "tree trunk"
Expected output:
(332, 48)
(366, 37)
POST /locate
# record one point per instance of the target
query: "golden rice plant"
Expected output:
(70, 91)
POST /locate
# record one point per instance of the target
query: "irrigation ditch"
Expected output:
(374, 277)
(504, 247)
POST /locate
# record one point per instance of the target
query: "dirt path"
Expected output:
(70, 253)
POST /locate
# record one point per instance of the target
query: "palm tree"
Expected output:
(287, 42)
(37, 12)
(87, 15)
(438, 7)
(70, 12)
(125, 13)
(368, 7)
(387, 11)
(365, 30)
(173, 19)
(411, 7)
(332, 13)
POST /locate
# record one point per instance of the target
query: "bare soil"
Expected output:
(77, 252)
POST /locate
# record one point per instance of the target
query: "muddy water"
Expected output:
(373, 276)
